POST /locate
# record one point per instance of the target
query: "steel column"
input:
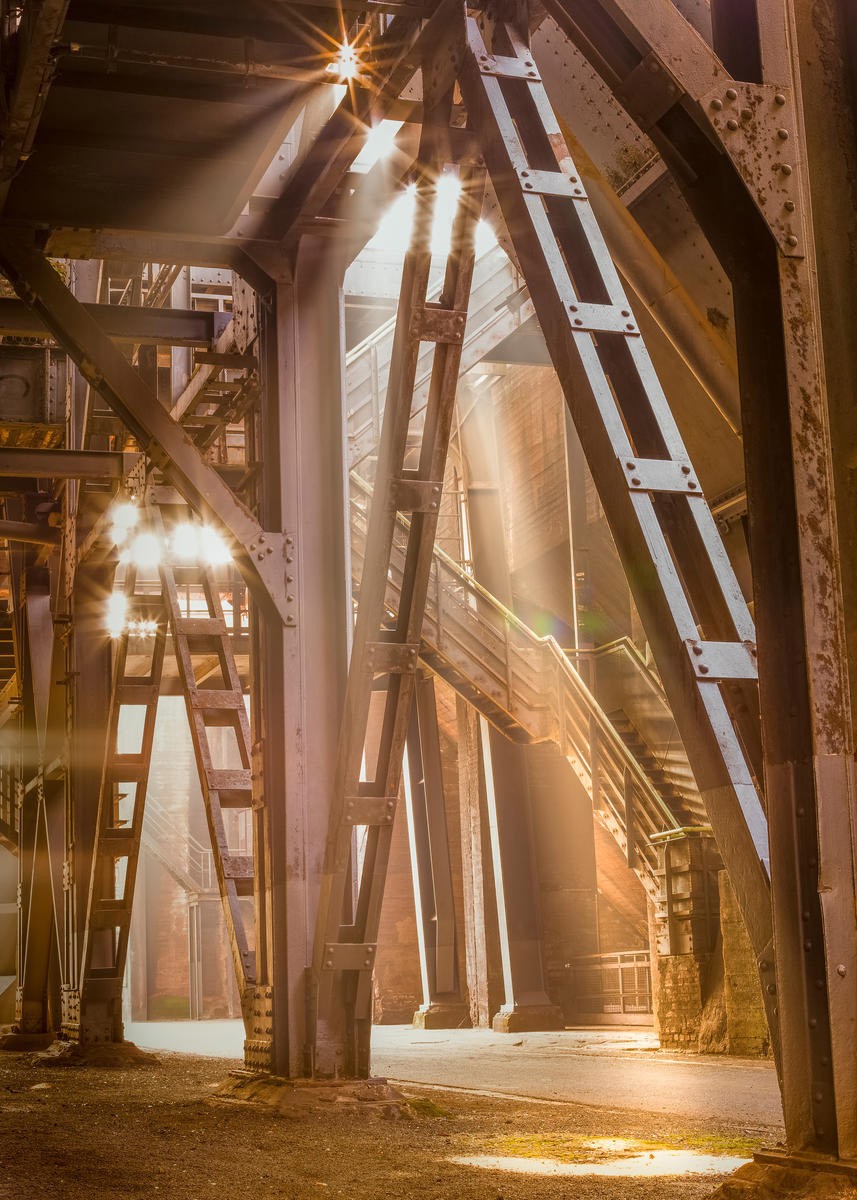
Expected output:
(299, 666)
(431, 866)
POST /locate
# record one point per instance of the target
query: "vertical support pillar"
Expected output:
(481, 946)
(90, 669)
(685, 927)
(434, 901)
(526, 1004)
(299, 667)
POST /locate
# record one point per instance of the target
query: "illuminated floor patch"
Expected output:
(650, 1163)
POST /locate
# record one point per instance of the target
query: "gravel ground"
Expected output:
(85, 1134)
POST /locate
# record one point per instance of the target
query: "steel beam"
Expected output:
(31, 532)
(25, 463)
(34, 64)
(142, 325)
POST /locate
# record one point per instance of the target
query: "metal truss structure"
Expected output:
(318, 764)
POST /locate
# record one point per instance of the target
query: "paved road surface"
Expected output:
(614, 1068)
(621, 1069)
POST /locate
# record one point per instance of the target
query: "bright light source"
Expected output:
(213, 549)
(145, 550)
(380, 143)
(346, 65)
(143, 627)
(123, 519)
(199, 543)
(117, 613)
(185, 542)
(394, 231)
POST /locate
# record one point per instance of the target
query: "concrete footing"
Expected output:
(528, 1018)
(102, 1055)
(18, 1042)
(772, 1177)
(442, 1016)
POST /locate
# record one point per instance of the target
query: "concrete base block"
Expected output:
(528, 1018)
(17, 1042)
(103, 1055)
(789, 1178)
(442, 1016)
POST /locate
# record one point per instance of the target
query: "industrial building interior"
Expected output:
(428, 598)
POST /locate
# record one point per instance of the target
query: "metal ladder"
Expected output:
(214, 699)
(384, 659)
(692, 607)
(119, 828)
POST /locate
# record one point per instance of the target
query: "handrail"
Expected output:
(606, 770)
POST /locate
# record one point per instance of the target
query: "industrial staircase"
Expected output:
(527, 686)
(524, 684)
(499, 304)
(185, 858)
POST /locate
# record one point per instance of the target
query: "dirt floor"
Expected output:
(85, 1134)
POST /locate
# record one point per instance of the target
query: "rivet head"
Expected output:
(786, 169)
(789, 206)
(783, 135)
(717, 105)
(691, 485)
(631, 466)
(791, 240)
(842, 970)
(703, 670)
(746, 114)
(635, 482)
(732, 124)
(780, 98)
(731, 94)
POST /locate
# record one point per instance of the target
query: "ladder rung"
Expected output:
(233, 787)
(139, 694)
(214, 627)
(117, 845)
(108, 917)
(209, 701)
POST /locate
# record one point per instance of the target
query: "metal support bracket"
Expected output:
(349, 956)
(723, 660)
(649, 91)
(660, 475)
(415, 495)
(757, 126)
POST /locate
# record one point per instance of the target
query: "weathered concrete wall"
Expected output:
(747, 1029)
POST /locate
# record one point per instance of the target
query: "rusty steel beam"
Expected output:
(141, 324)
(31, 532)
(25, 463)
(34, 64)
